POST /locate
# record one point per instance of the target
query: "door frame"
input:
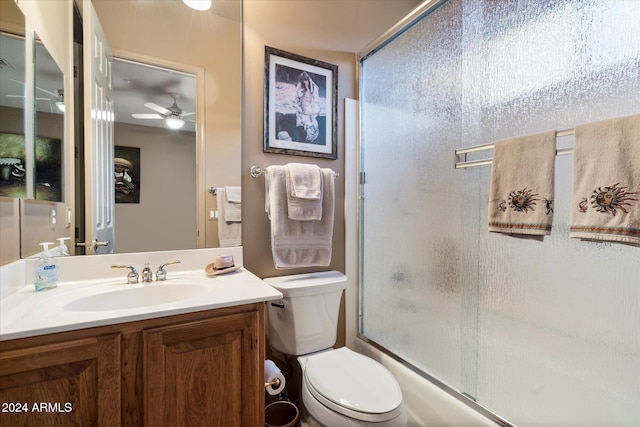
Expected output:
(200, 190)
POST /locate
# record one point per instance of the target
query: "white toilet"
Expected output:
(339, 387)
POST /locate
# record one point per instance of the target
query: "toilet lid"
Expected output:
(353, 385)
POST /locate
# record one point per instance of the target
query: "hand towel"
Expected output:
(231, 197)
(229, 232)
(605, 204)
(304, 192)
(522, 179)
(234, 194)
(298, 243)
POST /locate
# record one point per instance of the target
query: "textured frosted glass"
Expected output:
(412, 292)
(542, 333)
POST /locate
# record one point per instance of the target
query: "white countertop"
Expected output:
(28, 313)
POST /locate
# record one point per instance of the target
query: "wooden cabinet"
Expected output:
(73, 382)
(196, 369)
(203, 373)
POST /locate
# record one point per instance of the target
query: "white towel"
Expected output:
(606, 181)
(304, 192)
(234, 194)
(229, 232)
(231, 198)
(522, 179)
(298, 243)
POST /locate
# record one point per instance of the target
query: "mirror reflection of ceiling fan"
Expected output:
(173, 116)
(57, 97)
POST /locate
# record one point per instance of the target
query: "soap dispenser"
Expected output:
(62, 249)
(45, 275)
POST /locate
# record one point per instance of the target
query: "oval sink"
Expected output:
(144, 296)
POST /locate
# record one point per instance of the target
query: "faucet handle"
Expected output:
(161, 273)
(132, 276)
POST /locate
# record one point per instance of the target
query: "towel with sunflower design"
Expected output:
(522, 179)
(605, 203)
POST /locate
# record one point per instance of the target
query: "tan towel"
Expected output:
(606, 181)
(229, 232)
(298, 243)
(231, 198)
(522, 179)
(304, 192)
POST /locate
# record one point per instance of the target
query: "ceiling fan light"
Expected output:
(60, 105)
(198, 4)
(174, 122)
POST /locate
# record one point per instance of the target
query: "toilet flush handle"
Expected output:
(279, 304)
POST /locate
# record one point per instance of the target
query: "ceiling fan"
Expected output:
(173, 116)
(57, 97)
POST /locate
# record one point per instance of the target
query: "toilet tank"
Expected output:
(305, 320)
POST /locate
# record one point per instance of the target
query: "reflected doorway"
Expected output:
(155, 130)
(156, 170)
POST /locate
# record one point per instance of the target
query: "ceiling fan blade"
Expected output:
(46, 91)
(146, 116)
(157, 108)
(37, 99)
(188, 114)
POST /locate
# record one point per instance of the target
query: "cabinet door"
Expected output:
(204, 373)
(68, 383)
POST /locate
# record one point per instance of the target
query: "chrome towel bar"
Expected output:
(461, 163)
(257, 172)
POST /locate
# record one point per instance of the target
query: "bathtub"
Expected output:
(427, 404)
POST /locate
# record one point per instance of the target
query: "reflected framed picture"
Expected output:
(300, 105)
(47, 167)
(126, 166)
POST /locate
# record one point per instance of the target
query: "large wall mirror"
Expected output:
(44, 165)
(49, 107)
(32, 85)
(30, 167)
(12, 102)
(168, 205)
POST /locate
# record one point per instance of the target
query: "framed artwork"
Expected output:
(12, 166)
(47, 167)
(126, 165)
(300, 105)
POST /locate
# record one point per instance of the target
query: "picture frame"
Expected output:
(126, 164)
(300, 105)
(47, 170)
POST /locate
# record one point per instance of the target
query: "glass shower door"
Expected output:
(542, 333)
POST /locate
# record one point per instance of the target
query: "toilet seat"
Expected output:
(353, 385)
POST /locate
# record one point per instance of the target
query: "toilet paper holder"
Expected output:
(275, 383)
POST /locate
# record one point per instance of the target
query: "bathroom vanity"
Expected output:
(199, 368)
(197, 360)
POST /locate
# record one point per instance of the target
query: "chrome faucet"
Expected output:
(132, 276)
(147, 275)
(161, 274)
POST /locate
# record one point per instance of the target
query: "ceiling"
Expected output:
(12, 55)
(134, 85)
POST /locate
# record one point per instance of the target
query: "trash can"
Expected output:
(281, 414)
